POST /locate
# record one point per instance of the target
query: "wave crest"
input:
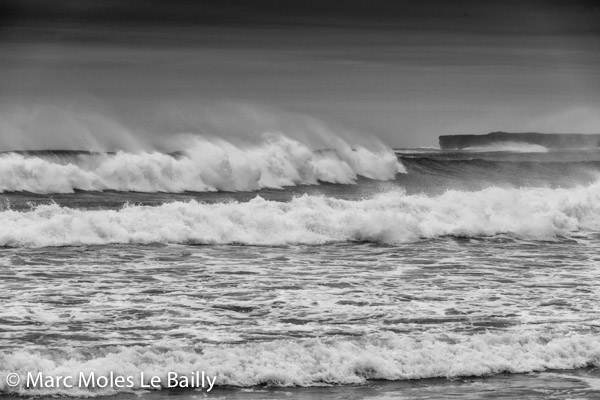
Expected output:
(206, 165)
(390, 217)
(313, 361)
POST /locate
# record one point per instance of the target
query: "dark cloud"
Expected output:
(462, 15)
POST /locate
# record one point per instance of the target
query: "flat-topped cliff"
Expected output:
(548, 140)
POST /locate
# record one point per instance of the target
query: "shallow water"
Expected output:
(520, 306)
(71, 296)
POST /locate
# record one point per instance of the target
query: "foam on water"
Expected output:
(389, 217)
(313, 361)
(206, 165)
(516, 147)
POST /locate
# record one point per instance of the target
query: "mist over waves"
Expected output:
(232, 147)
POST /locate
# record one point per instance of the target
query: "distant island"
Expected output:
(548, 140)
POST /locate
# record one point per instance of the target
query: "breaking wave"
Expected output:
(311, 362)
(389, 217)
(515, 147)
(207, 165)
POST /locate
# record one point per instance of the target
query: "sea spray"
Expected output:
(205, 165)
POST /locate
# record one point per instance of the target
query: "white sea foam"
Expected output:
(313, 361)
(390, 217)
(515, 147)
(208, 165)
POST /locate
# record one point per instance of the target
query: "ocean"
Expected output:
(283, 272)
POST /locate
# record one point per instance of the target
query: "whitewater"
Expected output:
(205, 165)
(288, 270)
(387, 218)
(320, 362)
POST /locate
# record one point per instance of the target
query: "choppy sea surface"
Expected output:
(467, 274)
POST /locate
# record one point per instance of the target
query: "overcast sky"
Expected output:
(402, 71)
